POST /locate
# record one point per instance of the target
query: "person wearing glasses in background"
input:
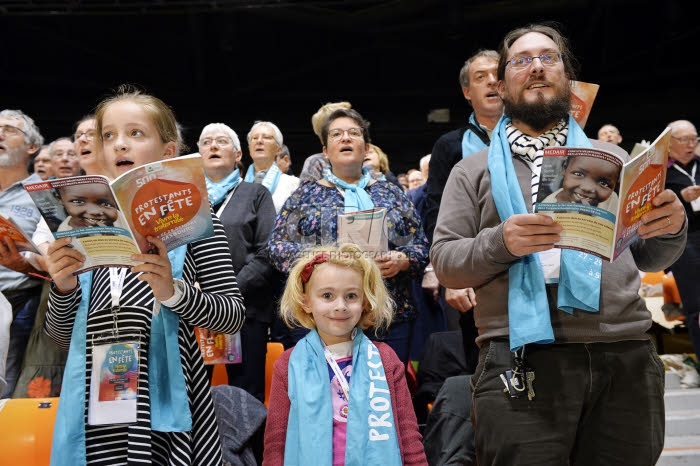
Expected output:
(64, 159)
(265, 144)
(683, 178)
(566, 373)
(86, 145)
(19, 140)
(42, 164)
(310, 218)
(248, 214)
(43, 358)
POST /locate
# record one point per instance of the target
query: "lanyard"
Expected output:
(116, 285)
(338, 373)
(226, 199)
(690, 175)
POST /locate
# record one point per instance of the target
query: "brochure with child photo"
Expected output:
(597, 198)
(110, 221)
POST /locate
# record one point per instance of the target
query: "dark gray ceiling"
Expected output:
(239, 61)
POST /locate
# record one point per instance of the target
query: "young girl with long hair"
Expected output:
(131, 331)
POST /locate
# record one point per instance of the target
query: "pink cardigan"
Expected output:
(410, 440)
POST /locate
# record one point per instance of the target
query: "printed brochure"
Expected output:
(110, 221)
(597, 198)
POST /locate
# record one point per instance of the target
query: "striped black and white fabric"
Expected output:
(218, 307)
(531, 149)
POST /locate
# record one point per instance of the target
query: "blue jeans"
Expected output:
(24, 306)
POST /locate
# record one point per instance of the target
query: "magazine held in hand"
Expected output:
(10, 229)
(597, 198)
(110, 221)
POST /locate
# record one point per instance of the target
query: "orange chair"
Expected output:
(26, 430)
(274, 350)
(220, 376)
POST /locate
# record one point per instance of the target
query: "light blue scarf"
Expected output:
(170, 409)
(579, 283)
(217, 190)
(272, 177)
(371, 431)
(471, 142)
(356, 198)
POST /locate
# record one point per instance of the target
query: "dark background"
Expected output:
(395, 61)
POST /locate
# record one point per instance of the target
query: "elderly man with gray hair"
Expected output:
(19, 140)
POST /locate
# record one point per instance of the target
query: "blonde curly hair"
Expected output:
(378, 307)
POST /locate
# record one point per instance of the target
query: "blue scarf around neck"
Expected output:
(371, 432)
(356, 198)
(217, 190)
(471, 142)
(272, 177)
(170, 409)
(579, 283)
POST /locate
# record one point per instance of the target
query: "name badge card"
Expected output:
(113, 383)
(551, 264)
(695, 204)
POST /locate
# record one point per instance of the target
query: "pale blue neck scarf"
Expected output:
(170, 409)
(272, 177)
(356, 198)
(371, 431)
(217, 190)
(579, 283)
(471, 142)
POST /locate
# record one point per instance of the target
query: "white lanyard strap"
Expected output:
(116, 285)
(338, 373)
(226, 199)
(690, 175)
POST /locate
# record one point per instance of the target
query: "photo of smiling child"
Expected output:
(588, 180)
(88, 206)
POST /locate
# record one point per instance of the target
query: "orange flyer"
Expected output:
(582, 97)
(219, 348)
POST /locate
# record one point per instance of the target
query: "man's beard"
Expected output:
(13, 157)
(540, 114)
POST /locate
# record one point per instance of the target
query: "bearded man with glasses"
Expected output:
(566, 373)
(19, 140)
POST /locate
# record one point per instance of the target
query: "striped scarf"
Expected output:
(531, 149)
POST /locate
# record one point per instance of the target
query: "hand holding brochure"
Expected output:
(598, 199)
(110, 221)
(10, 229)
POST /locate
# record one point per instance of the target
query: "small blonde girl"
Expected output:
(337, 397)
(380, 307)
